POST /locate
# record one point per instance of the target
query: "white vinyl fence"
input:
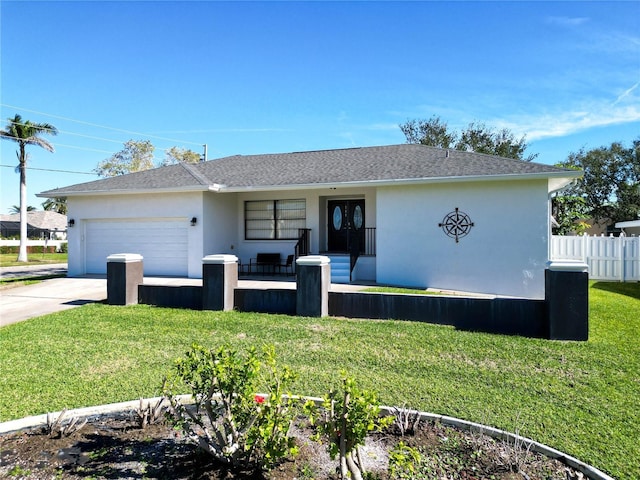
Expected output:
(609, 258)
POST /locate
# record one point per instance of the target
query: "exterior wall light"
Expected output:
(71, 223)
(194, 220)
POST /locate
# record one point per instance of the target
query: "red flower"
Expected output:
(259, 398)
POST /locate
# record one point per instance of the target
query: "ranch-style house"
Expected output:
(408, 215)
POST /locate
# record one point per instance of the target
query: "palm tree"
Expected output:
(26, 133)
(16, 209)
(55, 205)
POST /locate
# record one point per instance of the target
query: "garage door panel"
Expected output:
(162, 244)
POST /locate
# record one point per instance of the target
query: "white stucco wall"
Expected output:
(219, 219)
(505, 252)
(183, 207)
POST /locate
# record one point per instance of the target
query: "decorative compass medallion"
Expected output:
(456, 224)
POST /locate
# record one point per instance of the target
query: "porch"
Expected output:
(341, 226)
(356, 264)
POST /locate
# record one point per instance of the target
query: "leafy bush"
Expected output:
(404, 461)
(345, 419)
(230, 420)
(13, 249)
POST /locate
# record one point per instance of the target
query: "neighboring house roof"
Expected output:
(386, 165)
(42, 219)
(628, 224)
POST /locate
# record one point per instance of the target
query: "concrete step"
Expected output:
(340, 267)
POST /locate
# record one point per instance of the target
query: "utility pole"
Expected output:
(204, 157)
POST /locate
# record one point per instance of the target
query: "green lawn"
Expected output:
(9, 259)
(580, 397)
(411, 291)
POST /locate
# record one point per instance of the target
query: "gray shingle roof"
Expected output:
(43, 219)
(170, 177)
(404, 162)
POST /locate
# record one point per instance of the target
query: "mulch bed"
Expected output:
(116, 447)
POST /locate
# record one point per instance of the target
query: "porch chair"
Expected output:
(288, 265)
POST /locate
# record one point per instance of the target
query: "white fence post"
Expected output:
(632, 257)
(609, 258)
(621, 256)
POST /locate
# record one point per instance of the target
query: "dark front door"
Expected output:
(346, 225)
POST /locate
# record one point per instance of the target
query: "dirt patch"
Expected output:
(115, 447)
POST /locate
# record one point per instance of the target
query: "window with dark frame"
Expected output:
(274, 219)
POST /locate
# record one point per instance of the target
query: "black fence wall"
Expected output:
(493, 315)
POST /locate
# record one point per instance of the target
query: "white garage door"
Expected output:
(161, 242)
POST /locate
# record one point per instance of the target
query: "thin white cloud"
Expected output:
(342, 116)
(348, 136)
(626, 93)
(227, 130)
(567, 21)
(559, 121)
(614, 43)
(381, 126)
(568, 122)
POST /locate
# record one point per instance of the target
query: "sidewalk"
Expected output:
(33, 270)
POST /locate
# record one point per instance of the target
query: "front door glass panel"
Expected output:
(337, 218)
(357, 217)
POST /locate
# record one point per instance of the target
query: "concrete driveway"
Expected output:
(55, 294)
(48, 296)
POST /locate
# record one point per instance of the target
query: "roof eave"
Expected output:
(136, 191)
(556, 179)
(563, 179)
(628, 224)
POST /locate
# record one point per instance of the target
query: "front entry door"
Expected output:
(346, 225)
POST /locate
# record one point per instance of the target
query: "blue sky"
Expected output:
(261, 77)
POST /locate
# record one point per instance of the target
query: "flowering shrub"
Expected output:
(345, 419)
(229, 419)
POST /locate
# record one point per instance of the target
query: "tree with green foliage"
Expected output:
(610, 187)
(176, 155)
(136, 156)
(569, 212)
(477, 137)
(24, 133)
(57, 204)
(433, 132)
